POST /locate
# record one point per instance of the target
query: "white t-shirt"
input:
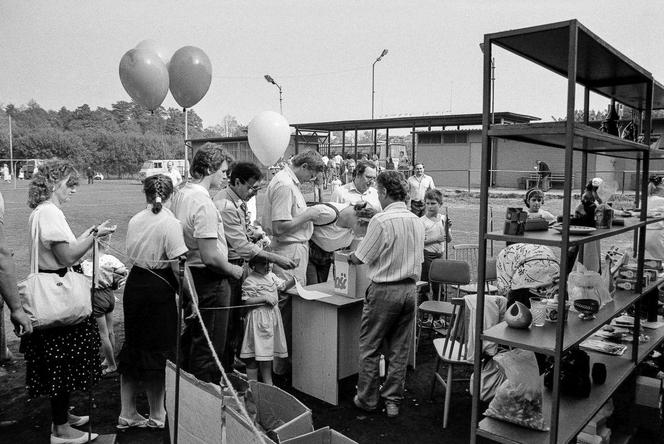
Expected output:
(154, 239)
(434, 229)
(53, 228)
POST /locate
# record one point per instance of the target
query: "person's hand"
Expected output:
(105, 228)
(272, 300)
(89, 231)
(237, 272)
(22, 324)
(284, 262)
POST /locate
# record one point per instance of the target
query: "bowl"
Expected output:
(587, 308)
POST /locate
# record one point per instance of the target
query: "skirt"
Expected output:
(62, 360)
(150, 323)
(264, 337)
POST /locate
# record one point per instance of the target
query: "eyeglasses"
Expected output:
(255, 187)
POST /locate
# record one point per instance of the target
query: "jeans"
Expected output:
(387, 323)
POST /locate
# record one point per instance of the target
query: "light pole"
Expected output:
(271, 80)
(373, 72)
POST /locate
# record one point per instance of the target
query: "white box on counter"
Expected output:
(350, 280)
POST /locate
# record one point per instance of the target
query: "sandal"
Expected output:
(155, 423)
(124, 423)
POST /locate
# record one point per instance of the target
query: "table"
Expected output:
(325, 342)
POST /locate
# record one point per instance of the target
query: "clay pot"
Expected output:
(518, 316)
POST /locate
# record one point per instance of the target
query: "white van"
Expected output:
(152, 167)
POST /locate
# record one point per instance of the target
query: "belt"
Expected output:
(239, 261)
(290, 242)
(401, 282)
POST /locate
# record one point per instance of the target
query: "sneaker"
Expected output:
(360, 405)
(391, 409)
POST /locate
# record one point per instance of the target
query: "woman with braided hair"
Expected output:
(154, 242)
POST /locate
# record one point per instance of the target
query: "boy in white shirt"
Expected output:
(436, 235)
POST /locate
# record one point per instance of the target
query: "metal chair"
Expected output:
(470, 253)
(442, 272)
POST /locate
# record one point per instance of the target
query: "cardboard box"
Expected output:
(325, 435)
(648, 392)
(350, 280)
(629, 272)
(202, 405)
(630, 284)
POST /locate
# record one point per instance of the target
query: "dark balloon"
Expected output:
(190, 73)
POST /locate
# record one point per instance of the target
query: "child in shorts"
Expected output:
(111, 275)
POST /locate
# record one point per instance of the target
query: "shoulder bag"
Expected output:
(51, 300)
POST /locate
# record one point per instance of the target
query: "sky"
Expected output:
(67, 53)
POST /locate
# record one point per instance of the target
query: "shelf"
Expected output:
(574, 413)
(543, 339)
(554, 134)
(600, 67)
(553, 238)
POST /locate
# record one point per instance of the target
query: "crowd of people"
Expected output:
(243, 274)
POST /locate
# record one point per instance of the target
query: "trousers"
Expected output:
(387, 323)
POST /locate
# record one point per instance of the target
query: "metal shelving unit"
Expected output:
(571, 50)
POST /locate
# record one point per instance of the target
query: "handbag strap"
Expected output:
(34, 253)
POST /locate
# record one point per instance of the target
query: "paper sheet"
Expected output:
(309, 294)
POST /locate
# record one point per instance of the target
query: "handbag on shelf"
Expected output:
(51, 300)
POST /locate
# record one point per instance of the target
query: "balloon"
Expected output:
(190, 73)
(155, 47)
(269, 135)
(144, 77)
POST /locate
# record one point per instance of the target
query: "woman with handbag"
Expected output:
(62, 358)
(154, 241)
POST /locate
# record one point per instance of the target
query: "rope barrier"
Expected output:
(188, 279)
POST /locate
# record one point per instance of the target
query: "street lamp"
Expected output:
(373, 72)
(493, 78)
(271, 80)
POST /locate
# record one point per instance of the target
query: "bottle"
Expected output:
(381, 366)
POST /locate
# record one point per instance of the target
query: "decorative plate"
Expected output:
(575, 229)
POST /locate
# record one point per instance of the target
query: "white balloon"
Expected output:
(155, 47)
(269, 136)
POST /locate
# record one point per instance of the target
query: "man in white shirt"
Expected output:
(418, 184)
(174, 174)
(360, 189)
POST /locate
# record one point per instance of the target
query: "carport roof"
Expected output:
(412, 122)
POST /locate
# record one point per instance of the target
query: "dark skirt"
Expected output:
(63, 359)
(150, 323)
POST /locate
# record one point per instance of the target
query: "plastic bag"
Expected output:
(585, 284)
(519, 399)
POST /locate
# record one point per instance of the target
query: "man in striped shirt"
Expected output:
(393, 249)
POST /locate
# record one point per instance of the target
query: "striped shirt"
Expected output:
(394, 245)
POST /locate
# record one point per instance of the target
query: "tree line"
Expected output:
(113, 141)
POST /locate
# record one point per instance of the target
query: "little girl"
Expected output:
(264, 336)
(534, 200)
(335, 183)
(111, 275)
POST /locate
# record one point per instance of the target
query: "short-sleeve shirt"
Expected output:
(434, 229)
(234, 218)
(418, 186)
(393, 247)
(53, 228)
(284, 201)
(332, 237)
(200, 219)
(351, 195)
(175, 176)
(154, 239)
